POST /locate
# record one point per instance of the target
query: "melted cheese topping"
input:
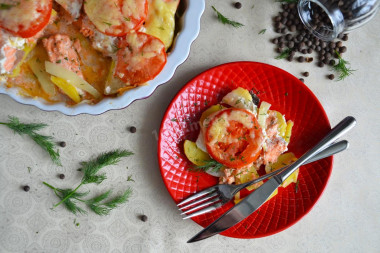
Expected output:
(160, 21)
(219, 128)
(115, 18)
(71, 6)
(25, 12)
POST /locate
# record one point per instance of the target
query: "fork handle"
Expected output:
(329, 151)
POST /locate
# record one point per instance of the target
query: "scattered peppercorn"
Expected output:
(26, 188)
(301, 59)
(143, 218)
(132, 129)
(302, 80)
(331, 76)
(305, 74)
(295, 36)
(62, 144)
(237, 5)
(62, 176)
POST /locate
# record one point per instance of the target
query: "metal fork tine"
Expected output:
(212, 201)
(197, 195)
(207, 197)
(206, 210)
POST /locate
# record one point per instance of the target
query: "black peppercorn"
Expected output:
(237, 5)
(331, 76)
(26, 188)
(62, 176)
(62, 144)
(305, 74)
(132, 129)
(143, 218)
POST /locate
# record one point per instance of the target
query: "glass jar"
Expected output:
(326, 19)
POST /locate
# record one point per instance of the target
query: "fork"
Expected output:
(218, 195)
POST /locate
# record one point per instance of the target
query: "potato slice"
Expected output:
(67, 88)
(43, 77)
(250, 175)
(240, 98)
(263, 114)
(194, 154)
(281, 124)
(114, 84)
(283, 160)
(209, 111)
(27, 49)
(160, 21)
(288, 132)
(70, 77)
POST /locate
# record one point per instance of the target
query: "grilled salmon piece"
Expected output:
(62, 50)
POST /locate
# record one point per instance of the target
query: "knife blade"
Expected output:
(253, 201)
(240, 211)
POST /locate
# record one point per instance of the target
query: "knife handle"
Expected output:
(343, 127)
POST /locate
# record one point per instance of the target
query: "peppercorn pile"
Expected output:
(298, 43)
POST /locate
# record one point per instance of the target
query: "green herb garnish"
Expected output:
(225, 20)
(297, 183)
(8, 6)
(341, 68)
(284, 54)
(209, 165)
(262, 31)
(43, 141)
(71, 198)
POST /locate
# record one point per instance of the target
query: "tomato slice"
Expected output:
(234, 138)
(140, 58)
(116, 17)
(25, 18)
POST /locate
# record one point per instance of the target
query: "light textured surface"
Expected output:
(346, 219)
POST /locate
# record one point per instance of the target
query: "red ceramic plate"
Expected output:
(286, 94)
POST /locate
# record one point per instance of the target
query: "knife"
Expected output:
(253, 201)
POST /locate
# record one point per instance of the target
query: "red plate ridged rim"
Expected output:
(287, 95)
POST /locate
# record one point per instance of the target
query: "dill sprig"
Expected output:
(104, 208)
(225, 20)
(341, 67)
(92, 167)
(95, 204)
(45, 142)
(262, 31)
(284, 54)
(209, 165)
(90, 170)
